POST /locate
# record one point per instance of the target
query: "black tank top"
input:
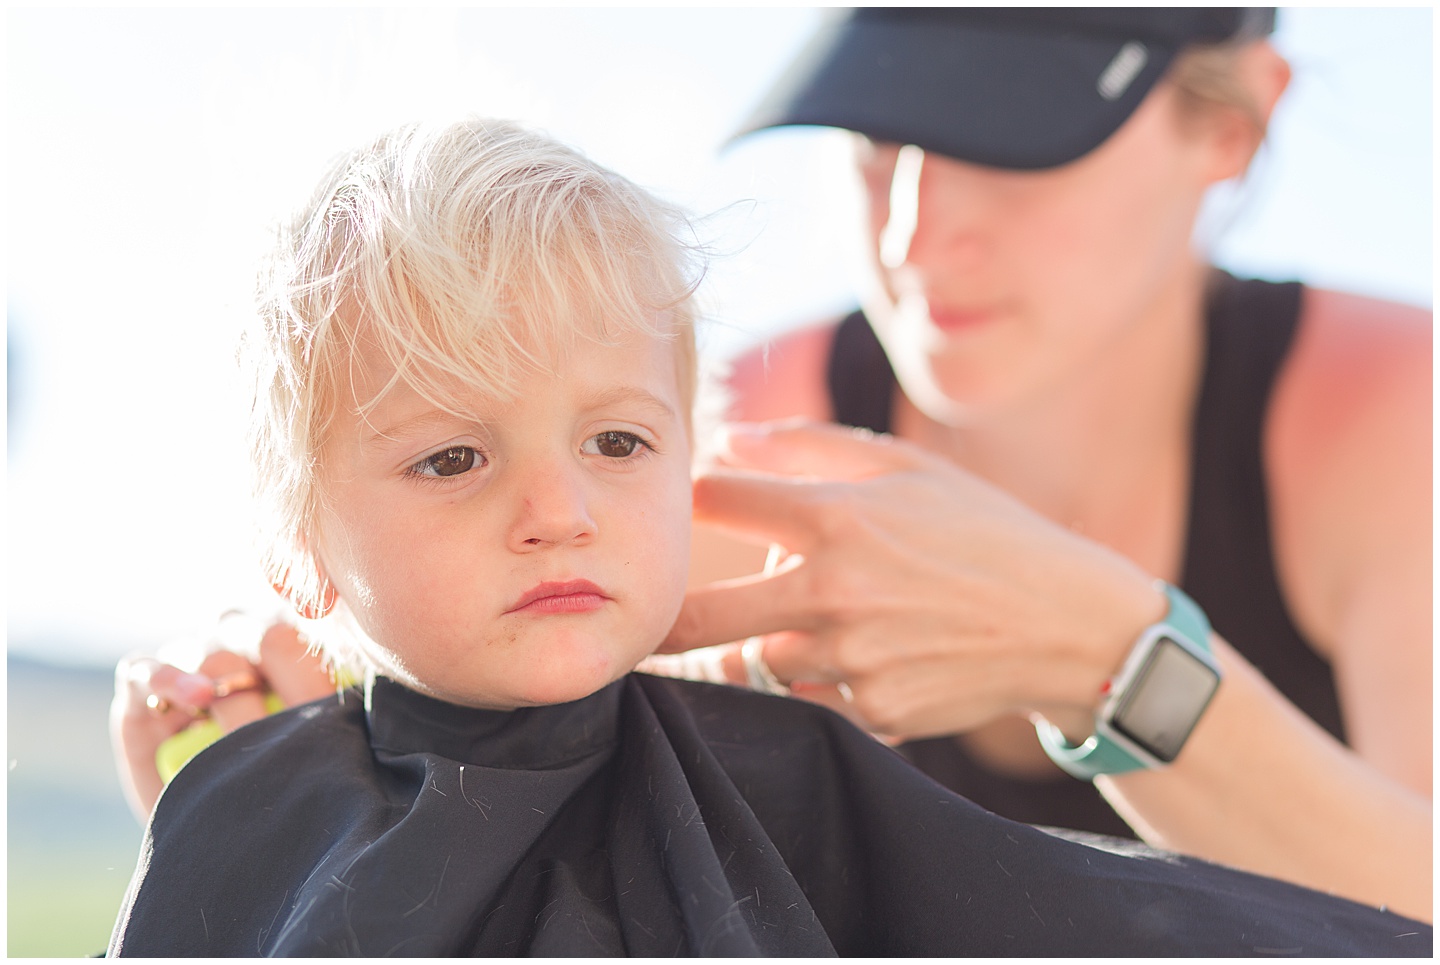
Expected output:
(1229, 565)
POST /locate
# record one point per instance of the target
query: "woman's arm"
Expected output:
(1259, 786)
(942, 604)
(1348, 454)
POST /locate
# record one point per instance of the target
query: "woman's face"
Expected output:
(1015, 283)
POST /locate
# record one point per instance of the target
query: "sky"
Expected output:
(148, 150)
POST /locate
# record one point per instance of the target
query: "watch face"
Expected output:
(1165, 699)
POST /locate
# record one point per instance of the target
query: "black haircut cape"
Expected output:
(654, 818)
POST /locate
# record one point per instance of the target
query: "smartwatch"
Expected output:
(1152, 704)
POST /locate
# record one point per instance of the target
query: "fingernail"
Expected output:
(744, 430)
(196, 688)
(733, 433)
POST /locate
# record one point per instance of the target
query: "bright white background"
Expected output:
(148, 149)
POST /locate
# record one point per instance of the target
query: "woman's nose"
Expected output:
(904, 207)
(552, 509)
(935, 213)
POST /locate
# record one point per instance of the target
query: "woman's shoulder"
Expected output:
(1358, 365)
(784, 376)
(1348, 447)
(1361, 333)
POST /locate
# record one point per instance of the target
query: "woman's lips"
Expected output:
(955, 319)
(571, 596)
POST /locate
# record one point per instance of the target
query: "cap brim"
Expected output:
(1003, 98)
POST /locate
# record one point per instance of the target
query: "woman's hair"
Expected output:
(1206, 78)
(470, 254)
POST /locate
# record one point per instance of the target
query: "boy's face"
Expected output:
(529, 556)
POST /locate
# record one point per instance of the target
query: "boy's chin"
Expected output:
(569, 668)
(562, 685)
(560, 676)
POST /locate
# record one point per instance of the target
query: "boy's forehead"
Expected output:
(635, 367)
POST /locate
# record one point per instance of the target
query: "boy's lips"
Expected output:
(570, 596)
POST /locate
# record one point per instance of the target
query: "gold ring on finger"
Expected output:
(236, 683)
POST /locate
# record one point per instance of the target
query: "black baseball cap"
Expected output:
(1010, 87)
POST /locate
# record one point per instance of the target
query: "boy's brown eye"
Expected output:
(450, 462)
(616, 445)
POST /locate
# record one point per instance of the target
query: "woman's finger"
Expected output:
(760, 508)
(296, 675)
(239, 690)
(799, 660)
(146, 687)
(811, 450)
(153, 701)
(735, 609)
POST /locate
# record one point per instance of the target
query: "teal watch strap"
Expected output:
(1097, 754)
(1104, 751)
(1186, 616)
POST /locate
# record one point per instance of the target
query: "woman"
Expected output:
(1109, 400)
(1080, 407)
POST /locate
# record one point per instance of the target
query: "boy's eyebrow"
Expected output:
(615, 395)
(421, 421)
(623, 394)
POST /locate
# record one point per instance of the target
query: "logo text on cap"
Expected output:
(1122, 70)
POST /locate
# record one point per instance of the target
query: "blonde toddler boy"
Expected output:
(474, 371)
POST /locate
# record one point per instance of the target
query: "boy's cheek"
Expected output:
(675, 534)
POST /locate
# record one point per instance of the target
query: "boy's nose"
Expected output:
(553, 510)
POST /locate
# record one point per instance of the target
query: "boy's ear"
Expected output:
(308, 609)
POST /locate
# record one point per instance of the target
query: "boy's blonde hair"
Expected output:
(466, 255)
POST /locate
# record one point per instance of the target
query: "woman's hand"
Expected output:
(939, 601)
(155, 700)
